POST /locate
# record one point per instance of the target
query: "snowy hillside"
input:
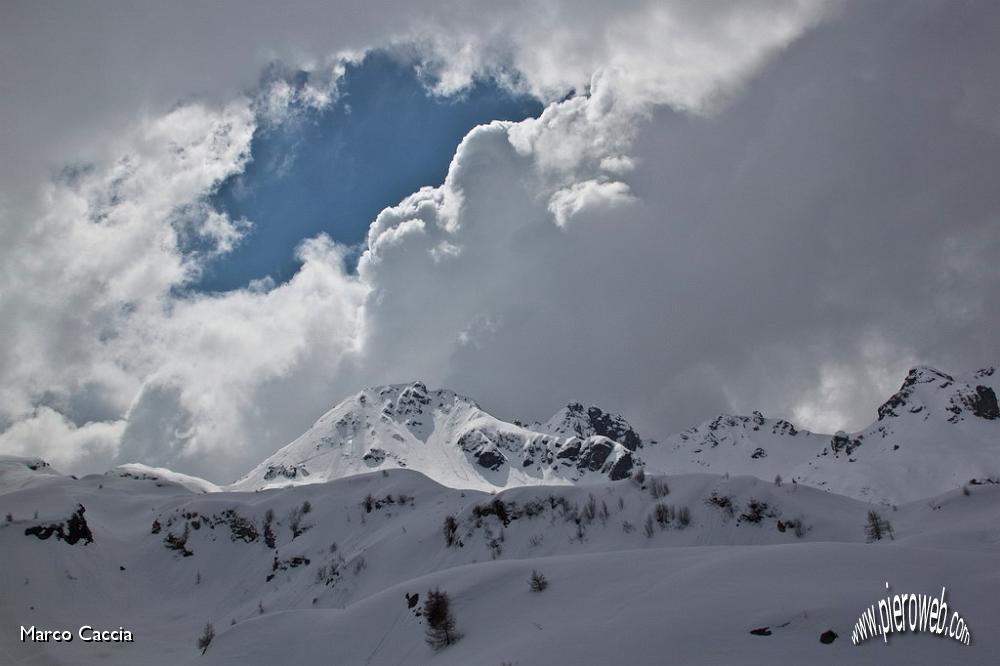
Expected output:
(329, 573)
(935, 434)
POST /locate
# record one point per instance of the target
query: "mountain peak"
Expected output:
(576, 420)
(927, 389)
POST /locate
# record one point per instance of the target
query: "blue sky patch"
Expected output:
(333, 170)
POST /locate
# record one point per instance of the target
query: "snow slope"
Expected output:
(938, 432)
(318, 573)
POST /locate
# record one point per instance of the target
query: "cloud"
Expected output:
(590, 196)
(742, 209)
(793, 251)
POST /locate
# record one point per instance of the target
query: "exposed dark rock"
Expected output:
(595, 454)
(828, 637)
(374, 457)
(842, 443)
(571, 450)
(984, 404)
(490, 459)
(622, 469)
(72, 531)
(274, 471)
(761, 631)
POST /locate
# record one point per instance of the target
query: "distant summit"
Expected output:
(936, 433)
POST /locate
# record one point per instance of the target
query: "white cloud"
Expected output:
(589, 196)
(733, 256)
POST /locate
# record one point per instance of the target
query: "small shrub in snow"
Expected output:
(640, 476)
(684, 516)
(756, 511)
(659, 488)
(647, 527)
(777, 480)
(10, 518)
(965, 491)
(270, 538)
(240, 528)
(534, 508)
(495, 545)
(178, 543)
(306, 507)
(795, 525)
(155, 527)
(206, 637)
(723, 502)
(504, 512)
(590, 509)
(627, 527)
(537, 582)
(663, 514)
(295, 521)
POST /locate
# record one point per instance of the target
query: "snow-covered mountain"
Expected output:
(935, 434)
(684, 566)
(451, 439)
(322, 554)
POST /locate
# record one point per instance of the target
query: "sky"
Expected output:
(333, 169)
(218, 221)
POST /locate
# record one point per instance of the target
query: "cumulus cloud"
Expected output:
(794, 251)
(741, 208)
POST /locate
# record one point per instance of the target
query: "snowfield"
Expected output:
(325, 553)
(333, 588)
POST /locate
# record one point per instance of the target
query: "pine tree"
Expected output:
(877, 527)
(440, 622)
(450, 530)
